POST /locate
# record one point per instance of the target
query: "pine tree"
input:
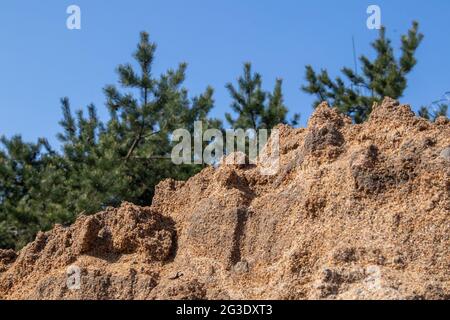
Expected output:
(101, 163)
(433, 113)
(21, 166)
(125, 158)
(381, 77)
(256, 108)
(276, 111)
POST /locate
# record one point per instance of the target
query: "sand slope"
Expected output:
(355, 212)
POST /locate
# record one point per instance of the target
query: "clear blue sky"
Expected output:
(41, 60)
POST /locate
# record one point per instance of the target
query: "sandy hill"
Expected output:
(355, 212)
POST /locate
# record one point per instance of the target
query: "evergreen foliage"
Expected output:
(433, 113)
(123, 157)
(101, 163)
(385, 76)
(256, 108)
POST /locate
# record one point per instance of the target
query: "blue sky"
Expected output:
(42, 61)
